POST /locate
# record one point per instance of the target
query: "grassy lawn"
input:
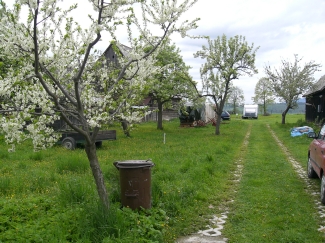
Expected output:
(50, 196)
(271, 204)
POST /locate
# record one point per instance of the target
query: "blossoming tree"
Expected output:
(172, 81)
(291, 80)
(226, 60)
(62, 73)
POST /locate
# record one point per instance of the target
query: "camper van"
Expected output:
(250, 111)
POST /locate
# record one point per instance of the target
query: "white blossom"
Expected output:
(67, 82)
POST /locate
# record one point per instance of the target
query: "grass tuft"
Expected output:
(4, 155)
(5, 184)
(209, 158)
(74, 163)
(74, 191)
(37, 156)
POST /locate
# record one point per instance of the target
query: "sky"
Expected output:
(280, 28)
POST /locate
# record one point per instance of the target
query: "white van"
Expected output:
(250, 111)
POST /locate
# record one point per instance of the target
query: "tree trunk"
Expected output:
(284, 115)
(125, 128)
(159, 122)
(283, 118)
(97, 173)
(218, 122)
(234, 108)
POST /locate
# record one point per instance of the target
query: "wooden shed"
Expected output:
(113, 51)
(315, 102)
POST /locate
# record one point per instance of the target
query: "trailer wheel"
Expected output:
(69, 143)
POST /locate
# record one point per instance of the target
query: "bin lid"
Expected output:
(133, 164)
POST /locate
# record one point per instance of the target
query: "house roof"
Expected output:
(317, 87)
(125, 50)
(146, 101)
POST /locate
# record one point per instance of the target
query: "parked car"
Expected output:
(225, 115)
(316, 161)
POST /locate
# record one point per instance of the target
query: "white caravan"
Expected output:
(250, 111)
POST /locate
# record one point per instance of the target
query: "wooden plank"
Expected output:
(101, 136)
(106, 135)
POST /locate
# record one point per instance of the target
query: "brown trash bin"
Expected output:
(135, 182)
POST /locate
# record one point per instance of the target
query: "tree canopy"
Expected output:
(291, 80)
(236, 98)
(62, 72)
(226, 60)
(264, 94)
(172, 81)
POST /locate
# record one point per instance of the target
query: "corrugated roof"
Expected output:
(318, 86)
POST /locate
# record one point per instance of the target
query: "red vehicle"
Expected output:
(316, 161)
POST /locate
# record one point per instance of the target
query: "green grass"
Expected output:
(271, 204)
(50, 196)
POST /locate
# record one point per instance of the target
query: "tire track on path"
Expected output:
(213, 231)
(311, 189)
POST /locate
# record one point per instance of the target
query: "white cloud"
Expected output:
(280, 28)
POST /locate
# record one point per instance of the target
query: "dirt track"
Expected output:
(213, 232)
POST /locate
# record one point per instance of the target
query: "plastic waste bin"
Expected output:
(135, 182)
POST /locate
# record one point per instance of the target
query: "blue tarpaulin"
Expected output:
(298, 131)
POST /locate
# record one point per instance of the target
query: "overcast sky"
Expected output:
(280, 28)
